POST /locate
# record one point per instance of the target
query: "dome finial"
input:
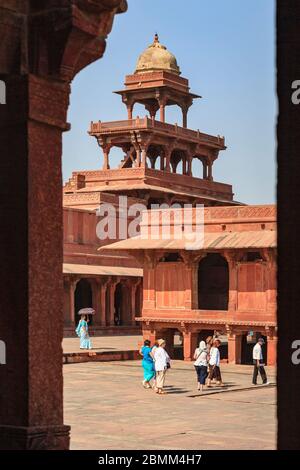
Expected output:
(156, 38)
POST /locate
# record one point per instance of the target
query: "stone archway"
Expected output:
(213, 283)
(83, 297)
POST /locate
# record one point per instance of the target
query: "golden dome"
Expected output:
(157, 57)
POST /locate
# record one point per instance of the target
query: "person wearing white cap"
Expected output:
(258, 363)
(161, 364)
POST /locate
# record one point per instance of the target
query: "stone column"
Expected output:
(189, 165)
(204, 169)
(231, 259)
(133, 303)
(209, 173)
(138, 157)
(184, 116)
(271, 346)
(144, 155)
(104, 307)
(112, 289)
(162, 112)
(162, 103)
(189, 344)
(106, 149)
(96, 289)
(150, 333)
(41, 50)
(73, 283)
(234, 347)
(168, 153)
(129, 107)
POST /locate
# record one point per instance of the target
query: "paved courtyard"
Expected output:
(105, 343)
(108, 409)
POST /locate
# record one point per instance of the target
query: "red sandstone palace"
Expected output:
(227, 285)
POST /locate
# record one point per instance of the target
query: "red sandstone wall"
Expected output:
(81, 241)
(171, 282)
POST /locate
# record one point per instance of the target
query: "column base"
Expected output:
(34, 437)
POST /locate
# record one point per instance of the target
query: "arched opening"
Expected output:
(213, 283)
(83, 297)
(197, 168)
(155, 157)
(248, 343)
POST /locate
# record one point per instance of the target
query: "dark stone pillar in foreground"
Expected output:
(43, 45)
(288, 71)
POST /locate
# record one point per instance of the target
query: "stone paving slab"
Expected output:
(108, 408)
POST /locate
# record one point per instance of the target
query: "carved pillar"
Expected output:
(73, 283)
(104, 306)
(135, 288)
(112, 289)
(271, 271)
(191, 279)
(271, 346)
(168, 153)
(129, 107)
(189, 344)
(162, 101)
(231, 258)
(209, 171)
(204, 163)
(162, 112)
(106, 149)
(184, 164)
(144, 148)
(189, 165)
(234, 347)
(138, 157)
(162, 160)
(184, 116)
(96, 289)
(41, 50)
(184, 108)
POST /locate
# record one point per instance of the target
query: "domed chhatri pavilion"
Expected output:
(227, 285)
(158, 157)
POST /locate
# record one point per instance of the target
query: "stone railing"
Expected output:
(98, 128)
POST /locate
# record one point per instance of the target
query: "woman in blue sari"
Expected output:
(82, 331)
(147, 363)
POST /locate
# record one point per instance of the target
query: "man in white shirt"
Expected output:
(258, 362)
(161, 364)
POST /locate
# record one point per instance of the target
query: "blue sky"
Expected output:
(226, 48)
